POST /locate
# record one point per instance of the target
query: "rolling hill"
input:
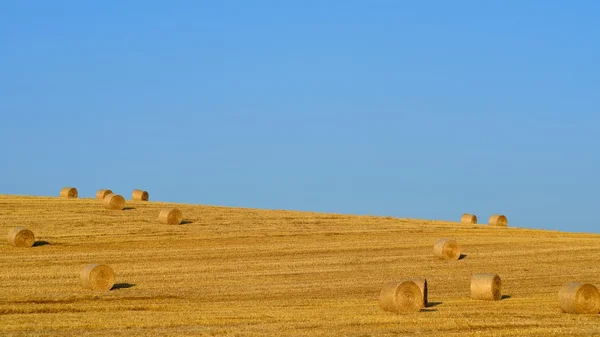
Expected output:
(239, 272)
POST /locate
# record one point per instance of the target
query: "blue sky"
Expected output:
(421, 109)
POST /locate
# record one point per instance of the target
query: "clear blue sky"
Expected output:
(422, 109)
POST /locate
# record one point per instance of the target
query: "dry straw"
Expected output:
(21, 237)
(102, 193)
(486, 287)
(97, 277)
(468, 218)
(401, 297)
(170, 216)
(422, 283)
(498, 220)
(68, 192)
(579, 298)
(113, 202)
(139, 195)
(447, 249)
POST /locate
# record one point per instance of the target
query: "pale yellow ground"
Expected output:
(240, 272)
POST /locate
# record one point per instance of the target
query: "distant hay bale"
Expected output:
(97, 277)
(139, 195)
(170, 216)
(498, 220)
(401, 297)
(102, 193)
(486, 287)
(579, 298)
(113, 202)
(468, 218)
(447, 249)
(21, 237)
(69, 192)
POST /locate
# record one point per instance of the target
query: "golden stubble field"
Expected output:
(240, 272)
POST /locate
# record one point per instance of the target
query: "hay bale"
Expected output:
(113, 202)
(468, 218)
(170, 216)
(447, 249)
(21, 237)
(102, 193)
(498, 220)
(486, 287)
(579, 298)
(139, 195)
(69, 192)
(97, 277)
(401, 297)
(422, 283)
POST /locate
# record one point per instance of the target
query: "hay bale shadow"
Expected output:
(128, 208)
(462, 256)
(185, 222)
(505, 297)
(122, 286)
(40, 243)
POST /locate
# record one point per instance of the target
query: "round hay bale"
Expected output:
(468, 218)
(97, 277)
(579, 298)
(21, 237)
(170, 216)
(114, 202)
(422, 283)
(139, 195)
(447, 249)
(498, 220)
(102, 193)
(401, 297)
(486, 287)
(69, 192)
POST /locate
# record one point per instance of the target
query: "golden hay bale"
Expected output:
(139, 195)
(579, 298)
(170, 216)
(102, 193)
(422, 283)
(21, 237)
(447, 249)
(486, 287)
(468, 218)
(68, 192)
(114, 202)
(498, 220)
(97, 277)
(401, 297)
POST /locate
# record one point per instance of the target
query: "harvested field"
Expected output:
(239, 272)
